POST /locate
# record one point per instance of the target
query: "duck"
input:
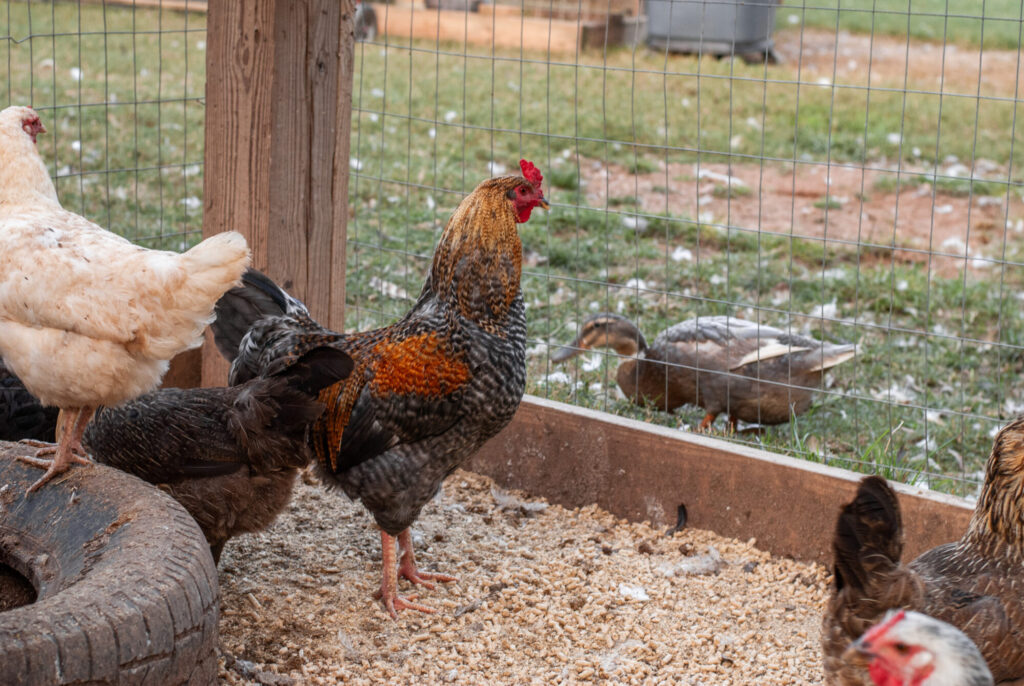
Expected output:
(752, 372)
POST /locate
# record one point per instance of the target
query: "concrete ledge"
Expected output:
(575, 457)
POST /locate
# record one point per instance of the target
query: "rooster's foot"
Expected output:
(423, 579)
(394, 602)
(407, 566)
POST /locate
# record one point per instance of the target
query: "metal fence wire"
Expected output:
(120, 91)
(845, 171)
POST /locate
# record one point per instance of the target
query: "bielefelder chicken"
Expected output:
(21, 414)
(86, 317)
(975, 584)
(911, 649)
(228, 455)
(426, 391)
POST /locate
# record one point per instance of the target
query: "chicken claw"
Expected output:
(394, 602)
(67, 452)
(407, 566)
(388, 593)
(54, 467)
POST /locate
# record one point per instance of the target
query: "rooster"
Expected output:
(975, 584)
(911, 649)
(427, 391)
(228, 455)
(86, 317)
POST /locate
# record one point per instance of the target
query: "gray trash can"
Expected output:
(712, 27)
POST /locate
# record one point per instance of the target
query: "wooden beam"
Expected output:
(278, 116)
(335, 282)
(576, 457)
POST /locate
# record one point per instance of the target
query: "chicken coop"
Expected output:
(857, 202)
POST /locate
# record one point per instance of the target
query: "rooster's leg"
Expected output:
(732, 424)
(705, 423)
(407, 565)
(388, 592)
(68, 450)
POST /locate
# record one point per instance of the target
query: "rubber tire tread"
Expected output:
(127, 589)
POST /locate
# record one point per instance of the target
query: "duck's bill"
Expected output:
(565, 352)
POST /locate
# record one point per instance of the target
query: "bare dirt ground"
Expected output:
(545, 596)
(789, 199)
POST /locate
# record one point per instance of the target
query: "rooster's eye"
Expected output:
(901, 647)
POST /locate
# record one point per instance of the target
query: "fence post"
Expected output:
(278, 117)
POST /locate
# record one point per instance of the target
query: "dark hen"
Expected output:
(976, 584)
(228, 455)
(22, 416)
(426, 391)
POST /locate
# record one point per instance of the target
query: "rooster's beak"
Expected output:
(543, 203)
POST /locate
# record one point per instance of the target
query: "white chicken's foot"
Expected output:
(66, 452)
(33, 443)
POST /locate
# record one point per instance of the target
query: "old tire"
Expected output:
(127, 590)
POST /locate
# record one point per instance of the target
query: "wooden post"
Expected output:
(278, 118)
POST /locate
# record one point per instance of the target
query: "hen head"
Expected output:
(24, 118)
(526, 196)
(999, 511)
(911, 649)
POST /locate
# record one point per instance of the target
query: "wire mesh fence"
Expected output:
(852, 176)
(120, 90)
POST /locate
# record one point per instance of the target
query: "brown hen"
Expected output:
(976, 584)
(427, 391)
(228, 455)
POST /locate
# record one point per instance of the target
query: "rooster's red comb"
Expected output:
(531, 172)
(887, 623)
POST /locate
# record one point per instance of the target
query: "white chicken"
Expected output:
(912, 649)
(86, 317)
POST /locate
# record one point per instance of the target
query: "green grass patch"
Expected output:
(731, 190)
(945, 185)
(992, 24)
(828, 203)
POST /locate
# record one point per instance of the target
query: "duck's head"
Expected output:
(604, 330)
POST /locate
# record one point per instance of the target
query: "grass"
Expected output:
(940, 356)
(644, 109)
(946, 185)
(829, 203)
(955, 21)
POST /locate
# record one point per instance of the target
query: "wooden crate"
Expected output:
(498, 25)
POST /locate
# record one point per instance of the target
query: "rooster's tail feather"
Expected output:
(241, 307)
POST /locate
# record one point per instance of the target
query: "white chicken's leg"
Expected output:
(68, 450)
